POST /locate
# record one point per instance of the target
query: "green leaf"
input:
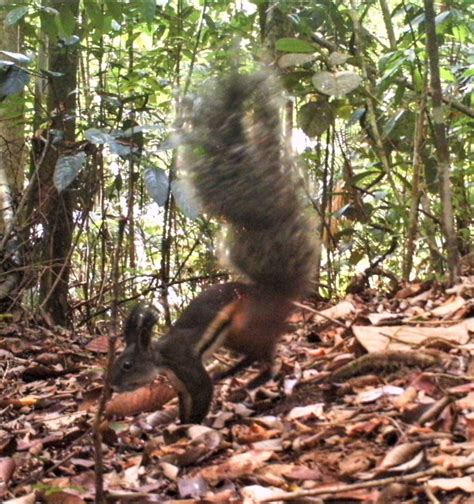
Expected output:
(16, 15)
(115, 8)
(336, 83)
(66, 22)
(361, 176)
(19, 58)
(148, 10)
(442, 17)
(97, 136)
(48, 73)
(293, 45)
(48, 23)
(314, 118)
(71, 41)
(13, 79)
(294, 59)
(67, 169)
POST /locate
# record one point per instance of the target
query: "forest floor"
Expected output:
(373, 402)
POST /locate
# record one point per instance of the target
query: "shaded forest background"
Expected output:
(379, 108)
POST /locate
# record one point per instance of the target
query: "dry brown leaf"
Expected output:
(449, 307)
(382, 338)
(147, 398)
(341, 310)
(405, 399)
(410, 290)
(7, 468)
(356, 462)
(316, 410)
(401, 454)
(99, 344)
(448, 484)
(245, 434)
(255, 493)
(274, 474)
(237, 466)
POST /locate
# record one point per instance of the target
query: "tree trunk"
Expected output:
(56, 209)
(12, 144)
(441, 143)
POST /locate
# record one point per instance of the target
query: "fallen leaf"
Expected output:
(450, 306)
(7, 468)
(341, 310)
(303, 411)
(149, 398)
(382, 338)
(372, 395)
(99, 344)
(401, 454)
(355, 462)
(236, 466)
(465, 483)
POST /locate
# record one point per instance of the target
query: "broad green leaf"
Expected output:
(116, 9)
(337, 83)
(148, 10)
(19, 58)
(293, 45)
(13, 79)
(442, 17)
(294, 59)
(16, 15)
(67, 168)
(71, 41)
(337, 58)
(121, 148)
(97, 136)
(363, 175)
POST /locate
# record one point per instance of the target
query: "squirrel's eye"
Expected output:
(127, 365)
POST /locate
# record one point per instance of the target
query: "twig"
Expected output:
(321, 314)
(100, 497)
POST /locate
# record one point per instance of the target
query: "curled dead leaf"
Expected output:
(401, 454)
(147, 398)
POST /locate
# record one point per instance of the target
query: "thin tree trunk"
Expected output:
(441, 143)
(387, 19)
(415, 192)
(12, 144)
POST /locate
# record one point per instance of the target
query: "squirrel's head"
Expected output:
(135, 366)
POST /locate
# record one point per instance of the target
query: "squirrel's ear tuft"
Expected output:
(139, 325)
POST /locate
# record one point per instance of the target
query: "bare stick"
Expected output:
(100, 496)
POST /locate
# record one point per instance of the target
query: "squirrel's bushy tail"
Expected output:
(243, 173)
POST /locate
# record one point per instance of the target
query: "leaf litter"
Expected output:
(373, 402)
